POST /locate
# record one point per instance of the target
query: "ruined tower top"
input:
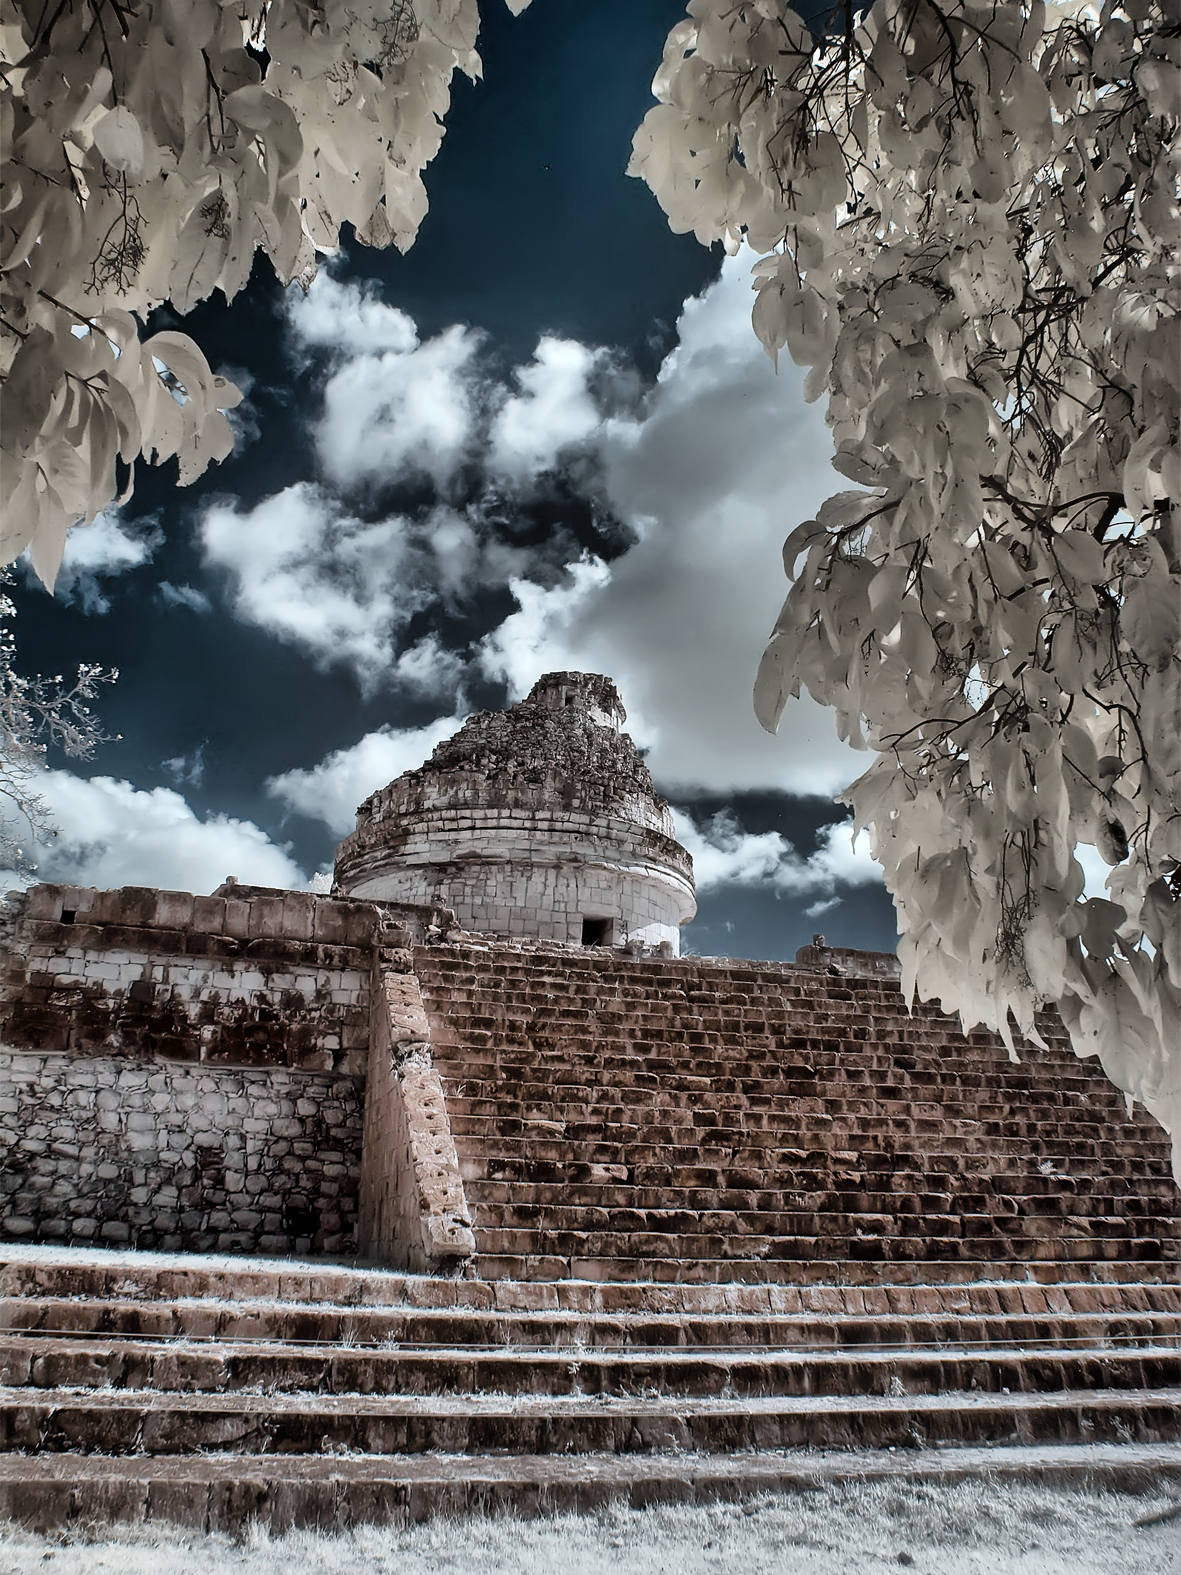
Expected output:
(539, 821)
(590, 694)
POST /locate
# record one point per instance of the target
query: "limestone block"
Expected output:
(209, 915)
(296, 921)
(44, 902)
(174, 910)
(406, 1013)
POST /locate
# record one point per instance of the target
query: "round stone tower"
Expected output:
(541, 821)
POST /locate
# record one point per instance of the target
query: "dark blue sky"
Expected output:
(533, 228)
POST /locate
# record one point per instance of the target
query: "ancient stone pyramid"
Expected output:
(329, 1209)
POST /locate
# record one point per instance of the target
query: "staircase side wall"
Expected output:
(414, 1213)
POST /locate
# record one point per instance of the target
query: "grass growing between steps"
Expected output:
(973, 1528)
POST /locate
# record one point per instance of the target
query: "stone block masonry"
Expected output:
(251, 978)
(700, 1120)
(274, 1072)
(119, 1153)
(540, 822)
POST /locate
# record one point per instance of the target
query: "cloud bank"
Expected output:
(113, 834)
(332, 791)
(722, 462)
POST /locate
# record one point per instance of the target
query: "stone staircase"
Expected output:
(737, 1227)
(705, 1120)
(212, 1393)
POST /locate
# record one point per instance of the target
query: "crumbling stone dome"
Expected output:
(540, 821)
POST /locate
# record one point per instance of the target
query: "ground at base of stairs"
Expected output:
(974, 1527)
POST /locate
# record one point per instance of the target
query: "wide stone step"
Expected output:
(678, 1216)
(811, 1173)
(228, 1493)
(136, 1423)
(819, 1286)
(865, 1263)
(773, 1086)
(759, 1088)
(37, 1363)
(782, 1261)
(754, 1196)
(773, 1151)
(211, 1320)
(677, 1234)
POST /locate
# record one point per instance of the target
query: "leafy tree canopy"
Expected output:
(966, 217)
(149, 148)
(965, 213)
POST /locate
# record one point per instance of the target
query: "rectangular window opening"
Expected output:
(596, 932)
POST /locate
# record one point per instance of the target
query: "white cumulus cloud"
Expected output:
(316, 576)
(100, 550)
(184, 596)
(724, 460)
(395, 407)
(348, 319)
(345, 589)
(553, 410)
(113, 834)
(332, 790)
(725, 855)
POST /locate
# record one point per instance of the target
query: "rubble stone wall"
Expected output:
(414, 1214)
(120, 1152)
(183, 1072)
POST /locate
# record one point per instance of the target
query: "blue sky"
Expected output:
(545, 437)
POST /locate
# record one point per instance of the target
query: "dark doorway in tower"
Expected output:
(596, 932)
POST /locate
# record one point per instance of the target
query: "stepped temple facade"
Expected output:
(547, 1213)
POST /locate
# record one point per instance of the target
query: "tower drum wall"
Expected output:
(535, 875)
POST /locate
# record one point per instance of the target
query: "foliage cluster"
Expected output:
(966, 216)
(149, 148)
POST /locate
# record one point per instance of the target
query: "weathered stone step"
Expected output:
(37, 1362)
(211, 1320)
(762, 1080)
(819, 1026)
(932, 1238)
(751, 1148)
(815, 1172)
(949, 1237)
(757, 1084)
(821, 1287)
(135, 1423)
(758, 1197)
(747, 1074)
(866, 1263)
(677, 1216)
(228, 1493)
